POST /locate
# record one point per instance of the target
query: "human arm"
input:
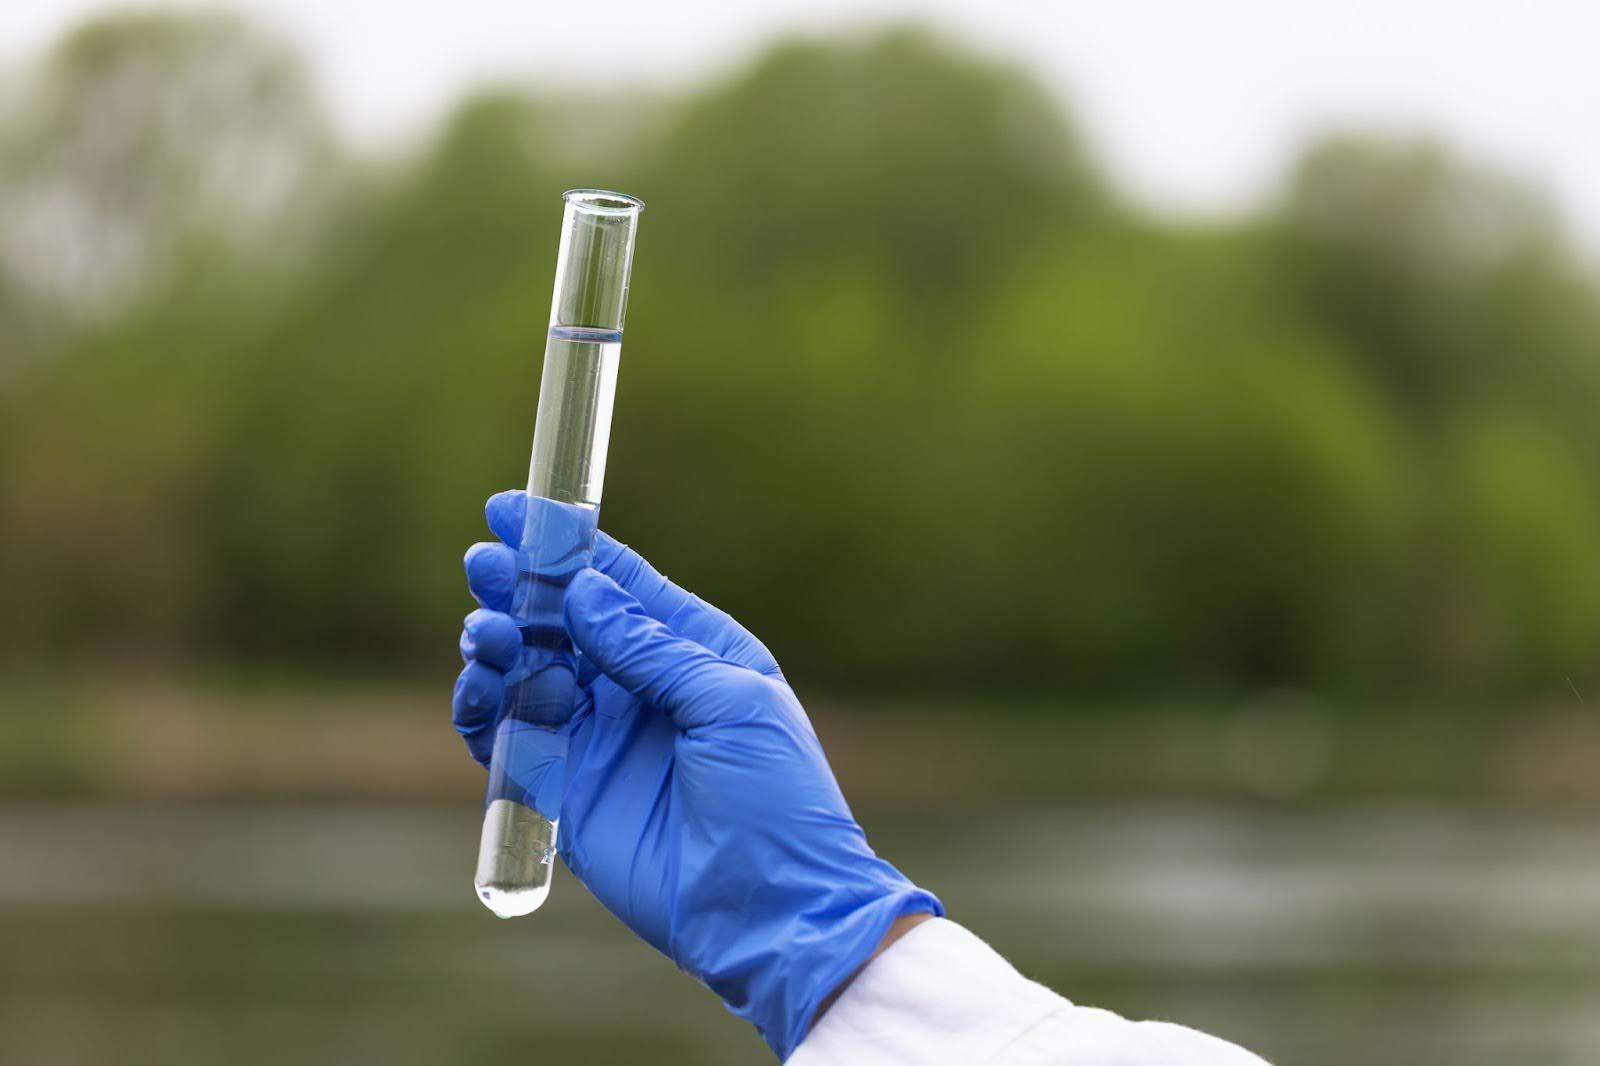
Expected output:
(940, 996)
(700, 809)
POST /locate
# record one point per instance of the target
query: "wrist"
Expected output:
(779, 972)
(901, 926)
(840, 951)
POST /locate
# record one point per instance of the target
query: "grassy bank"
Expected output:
(303, 739)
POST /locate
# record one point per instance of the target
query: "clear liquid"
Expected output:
(516, 858)
(565, 475)
(573, 429)
(527, 770)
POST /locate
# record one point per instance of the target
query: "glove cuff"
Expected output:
(854, 941)
(788, 969)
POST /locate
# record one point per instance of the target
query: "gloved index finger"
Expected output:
(507, 512)
(682, 611)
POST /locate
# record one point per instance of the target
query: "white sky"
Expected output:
(1194, 106)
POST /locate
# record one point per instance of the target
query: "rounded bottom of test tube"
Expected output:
(515, 859)
(512, 902)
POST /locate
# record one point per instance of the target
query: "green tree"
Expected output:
(905, 387)
(142, 132)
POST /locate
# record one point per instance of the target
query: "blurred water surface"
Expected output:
(1373, 934)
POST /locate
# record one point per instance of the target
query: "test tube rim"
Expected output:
(596, 201)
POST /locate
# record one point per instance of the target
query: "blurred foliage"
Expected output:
(907, 388)
(142, 133)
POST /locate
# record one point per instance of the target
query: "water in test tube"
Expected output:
(565, 474)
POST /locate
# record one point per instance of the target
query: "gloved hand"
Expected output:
(699, 806)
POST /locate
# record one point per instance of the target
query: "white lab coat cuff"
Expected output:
(939, 996)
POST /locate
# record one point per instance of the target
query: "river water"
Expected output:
(1376, 934)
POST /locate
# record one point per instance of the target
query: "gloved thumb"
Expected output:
(687, 681)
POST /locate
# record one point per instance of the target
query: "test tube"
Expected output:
(571, 432)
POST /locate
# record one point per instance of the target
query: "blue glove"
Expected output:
(699, 807)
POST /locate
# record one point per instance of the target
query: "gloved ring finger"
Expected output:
(490, 637)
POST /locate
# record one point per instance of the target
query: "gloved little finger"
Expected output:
(475, 707)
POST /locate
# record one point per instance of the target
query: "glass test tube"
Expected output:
(568, 467)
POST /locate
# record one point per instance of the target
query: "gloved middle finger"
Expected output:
(491, 574)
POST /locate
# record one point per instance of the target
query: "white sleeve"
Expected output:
(939, 996)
